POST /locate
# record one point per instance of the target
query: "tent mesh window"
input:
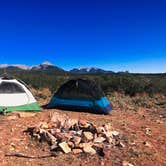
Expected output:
(10, 87)
(80, 89)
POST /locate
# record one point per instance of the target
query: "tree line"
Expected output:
(126, 83)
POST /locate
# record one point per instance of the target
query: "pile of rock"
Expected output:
(75, 135)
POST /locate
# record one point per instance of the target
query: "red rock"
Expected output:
(52, 125)
(88, 149)
(67, 135)
(77, 151)
(87, 136)
(82, 145)
(69, 123)
(84, 123)
(59, 135)
(71, 144)
(58, 118)
(100, 130)
(76, 140)
(54, 131)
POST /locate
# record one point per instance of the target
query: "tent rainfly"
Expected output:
(15, 96)
(80, 95)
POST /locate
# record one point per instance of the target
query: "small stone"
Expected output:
(99, 140)
(79, 133)
(159, 121)
(121, 144)
(54, 131)
(162, 116)
(52, 124)
(101, 130)
(89, 149)
(126, 163)
(12, 129)
(111, 133)
(53, 147)
(77, 151)
(84, 123)
(58, 119)
(59, 136)
(44, 125)
(87, 135)
(26, 147)
(109, 140)
(147, 144)
(37, 136)
(98, 145)
(108, 127)
(71, 144)
(76, 140)
(82, 145)
(115, 133)
(67, 135)
(12, 148)
(148, 131)
(132, 143)
(25, 114)
(73, 132)
(64, 146)
(13, 145)
(69, 123)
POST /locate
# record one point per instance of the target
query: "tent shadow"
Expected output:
(75, 109)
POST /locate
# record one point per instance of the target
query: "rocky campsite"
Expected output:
(133, 134)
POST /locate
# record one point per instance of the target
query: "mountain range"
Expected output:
(47, 66)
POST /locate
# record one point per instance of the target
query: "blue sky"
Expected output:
(116, 35)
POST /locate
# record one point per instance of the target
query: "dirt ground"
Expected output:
(143, 131)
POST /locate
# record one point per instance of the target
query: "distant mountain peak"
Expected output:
(83, 70)
(45, 66)
(47, 63)
(88, 68)
(20, 66)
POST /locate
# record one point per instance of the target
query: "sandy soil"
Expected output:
(144, 134)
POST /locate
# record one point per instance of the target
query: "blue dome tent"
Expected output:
(80, 95)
